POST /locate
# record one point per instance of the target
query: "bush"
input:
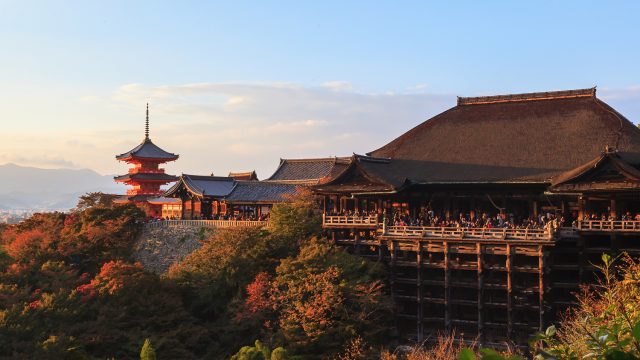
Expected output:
(606, 322)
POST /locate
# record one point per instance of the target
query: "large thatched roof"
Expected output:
(510, 138)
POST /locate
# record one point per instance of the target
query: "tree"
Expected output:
(92, 199)
(147, 352)
(260, 352)
(297, 219)
(606, 322)
(320, 300)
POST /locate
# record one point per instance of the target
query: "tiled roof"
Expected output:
(147, 150)
(309, 170)
(261, 192)
(247, 175)
(216, 186)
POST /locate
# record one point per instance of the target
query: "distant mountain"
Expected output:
(23, 187)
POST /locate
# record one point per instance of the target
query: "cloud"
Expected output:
(251, 125)
(338, 85)
(40, 160)
(219, 127)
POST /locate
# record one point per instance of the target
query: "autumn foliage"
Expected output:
(69, 289)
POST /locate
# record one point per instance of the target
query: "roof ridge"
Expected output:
(547, 95)
(208, 177)
(333, 158)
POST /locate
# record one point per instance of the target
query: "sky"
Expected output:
(237, 85)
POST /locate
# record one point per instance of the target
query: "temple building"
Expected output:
(145, 177)
(241, 195)
(492, 213)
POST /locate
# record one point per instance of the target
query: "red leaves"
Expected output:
(258, 298)
(35, 304)
(113, 276)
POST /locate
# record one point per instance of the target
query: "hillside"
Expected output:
(49, 189)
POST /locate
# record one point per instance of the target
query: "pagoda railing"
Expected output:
(609, 225)
(145, 171)
(349, 220)
(206, 223)
(469, 233)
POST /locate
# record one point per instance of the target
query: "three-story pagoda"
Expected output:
(146, 177)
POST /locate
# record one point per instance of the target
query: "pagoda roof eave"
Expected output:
(129, 157)
(147, 150)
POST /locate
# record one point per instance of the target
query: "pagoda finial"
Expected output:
(146, 127)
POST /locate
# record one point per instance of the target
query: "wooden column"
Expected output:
(480, 300)
(447, 288)
(509, 294)
(541, 287)
(419, 290)
(192, 208)
(613, 212)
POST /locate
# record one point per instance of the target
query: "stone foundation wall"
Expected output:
(158, 248)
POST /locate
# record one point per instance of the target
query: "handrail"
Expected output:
(206, 223)
(609, 225)
(469, 233)
(365, 220)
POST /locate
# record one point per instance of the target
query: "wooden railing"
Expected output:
(469, 233)
(609, 225)
(341, 220)
(206, 223)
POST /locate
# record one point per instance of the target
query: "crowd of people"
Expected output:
(476, 219)
(483, 219)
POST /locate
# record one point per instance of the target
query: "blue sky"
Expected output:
(236, 85)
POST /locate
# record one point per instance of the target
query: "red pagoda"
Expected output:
(146, 177)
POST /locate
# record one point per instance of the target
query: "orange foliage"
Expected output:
(29, 244)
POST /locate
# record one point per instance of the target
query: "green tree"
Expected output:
(260, 352)
(296, 220)
(92, 199)
(605, 324)
(147, 352)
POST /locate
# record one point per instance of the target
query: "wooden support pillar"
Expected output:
(193, 202)
(613, 211)
(335, 205)
(509, 294)
(182, 209)
(419, 290)
(447, 206)
(480, 299)
(535, 208)
(581, 258)
(541, 269)
(447, 289)
(379, 207)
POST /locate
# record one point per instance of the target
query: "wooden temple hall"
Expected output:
(492, 213)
